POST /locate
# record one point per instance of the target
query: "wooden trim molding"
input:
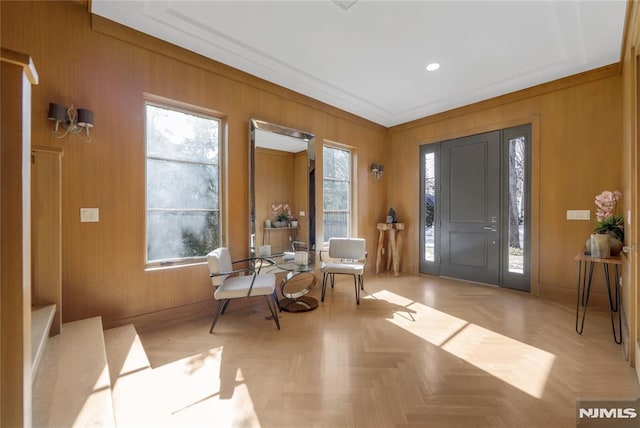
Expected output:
(22, 60)
(17, 76)
(145, 41)
(625, 30)
(544, 88)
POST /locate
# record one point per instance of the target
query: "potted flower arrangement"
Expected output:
(608, 223)
(282, 214)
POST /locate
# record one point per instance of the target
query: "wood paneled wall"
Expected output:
(103, 263)
(576, 154)
(631, 175)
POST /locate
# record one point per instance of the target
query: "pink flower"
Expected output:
(281, 211)
(606, 203)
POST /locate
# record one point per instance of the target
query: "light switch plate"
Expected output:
(89, 215)
(578, 215)
(301, 214)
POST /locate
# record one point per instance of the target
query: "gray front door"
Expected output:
(470, 209)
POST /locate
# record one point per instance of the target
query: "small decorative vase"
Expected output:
(267, 223)
(294, 223)
(600, 246)
(277, 223)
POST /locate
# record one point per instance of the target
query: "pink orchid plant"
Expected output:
(282, 212)
(608, 222)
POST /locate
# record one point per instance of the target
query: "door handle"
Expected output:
(491, 228)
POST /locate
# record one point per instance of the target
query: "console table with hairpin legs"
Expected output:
(586, 263)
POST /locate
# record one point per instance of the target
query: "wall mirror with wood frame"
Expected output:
(281, 176)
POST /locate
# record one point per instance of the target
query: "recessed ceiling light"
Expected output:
(433, 66)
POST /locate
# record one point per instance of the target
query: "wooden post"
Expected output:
(379, 254)
(392, 258)
(397, 249)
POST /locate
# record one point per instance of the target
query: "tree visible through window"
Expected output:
(183, 185)
(517, 212)
(336, 164)
(429, 206)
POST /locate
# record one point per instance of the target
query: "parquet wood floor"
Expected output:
(418, 351)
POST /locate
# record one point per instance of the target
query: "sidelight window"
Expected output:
(517, 211)
(429, 195)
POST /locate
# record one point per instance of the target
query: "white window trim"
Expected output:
(167, 103)
(352, 226)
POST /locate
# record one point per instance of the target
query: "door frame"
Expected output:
(534, 182)
(632, 219)
(46, 230)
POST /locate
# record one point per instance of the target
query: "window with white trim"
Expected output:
(182, 184)
(336, 205)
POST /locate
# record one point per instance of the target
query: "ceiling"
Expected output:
(276, 141)
(369, 57)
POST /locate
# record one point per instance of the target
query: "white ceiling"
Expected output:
(276, 141)
(370, 59)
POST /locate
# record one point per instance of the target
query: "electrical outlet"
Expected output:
(578, 215)
(89, 215)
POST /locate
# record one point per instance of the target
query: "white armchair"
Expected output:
(346, 256)
(229, 285)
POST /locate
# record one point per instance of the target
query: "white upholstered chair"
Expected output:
(230, 285)
(346, 256)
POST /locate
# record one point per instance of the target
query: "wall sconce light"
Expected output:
(376, 170)
(74, 122)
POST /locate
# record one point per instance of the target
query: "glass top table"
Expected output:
(294, 287)
(293, 267)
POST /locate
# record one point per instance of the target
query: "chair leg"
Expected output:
(324, 285)
(226, 303)
(333, 279)
(356, 283)
(276, 305)
(272, 309)
(219, 310)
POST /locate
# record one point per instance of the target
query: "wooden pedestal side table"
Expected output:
(392, 234)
